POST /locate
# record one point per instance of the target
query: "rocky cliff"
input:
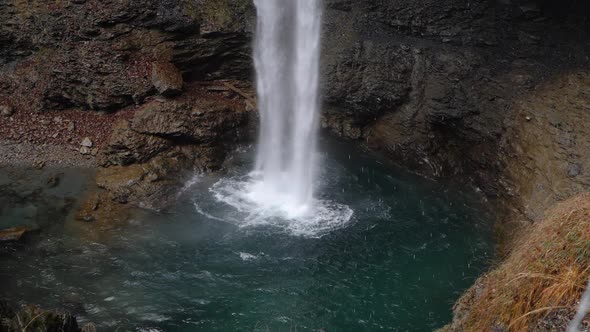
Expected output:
(434, 85)
(99, 55)
(439, 86)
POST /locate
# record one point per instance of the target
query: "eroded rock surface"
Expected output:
(101, 55)
(144, 162)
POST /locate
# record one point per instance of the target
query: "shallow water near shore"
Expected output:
(409, 249)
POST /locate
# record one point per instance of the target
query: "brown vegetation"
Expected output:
(546, 272)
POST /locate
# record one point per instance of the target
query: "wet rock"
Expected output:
(99, 207)
(167, 79)
(88, 208)
(414, 81)
(12, 234)
(152, 185)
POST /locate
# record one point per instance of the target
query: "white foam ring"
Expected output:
(259, 206)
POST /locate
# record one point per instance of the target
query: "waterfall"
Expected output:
(287, 57)
(279, 192)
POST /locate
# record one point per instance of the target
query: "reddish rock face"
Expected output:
(429, 83)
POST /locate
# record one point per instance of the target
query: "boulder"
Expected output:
(99, 207)
(152, 185)
(167, 79)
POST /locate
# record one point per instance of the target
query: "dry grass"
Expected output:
(547, 270)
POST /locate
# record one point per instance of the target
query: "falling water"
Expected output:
(287, 54)
(280, 190)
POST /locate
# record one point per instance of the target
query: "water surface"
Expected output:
(410, 248)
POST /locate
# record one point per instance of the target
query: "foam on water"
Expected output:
(259, 205)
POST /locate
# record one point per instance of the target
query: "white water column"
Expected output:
(287, 60)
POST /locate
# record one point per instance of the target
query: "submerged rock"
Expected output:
(100, 207)
(12, 234)
(151, 185)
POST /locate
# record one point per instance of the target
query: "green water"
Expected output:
(411, 247)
